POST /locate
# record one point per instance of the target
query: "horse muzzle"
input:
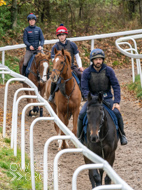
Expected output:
(54, 78)
(94, 138)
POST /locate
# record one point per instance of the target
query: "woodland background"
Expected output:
(81, 17)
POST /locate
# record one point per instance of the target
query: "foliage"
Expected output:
(2, 2)
(11, 63)
(136, 87)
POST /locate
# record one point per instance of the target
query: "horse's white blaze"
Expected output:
(45, 65)
(57, 59)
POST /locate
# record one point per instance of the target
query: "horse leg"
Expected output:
(75, 118)
(95, 178)
(62, 143)
(110, 161)
(101, 174)
(42, 91)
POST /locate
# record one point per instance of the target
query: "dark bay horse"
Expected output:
(38, 75)
(68, 97)
(101, 137)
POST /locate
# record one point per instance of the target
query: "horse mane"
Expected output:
(41, 56)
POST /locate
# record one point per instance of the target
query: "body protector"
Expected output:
(68, 48)
(99, 82)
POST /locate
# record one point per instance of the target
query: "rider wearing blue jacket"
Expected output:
(98, 77)
(33, 39)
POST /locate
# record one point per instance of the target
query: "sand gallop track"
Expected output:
(128, 163)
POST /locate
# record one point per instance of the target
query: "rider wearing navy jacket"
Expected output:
(33, 39)
(98, 77)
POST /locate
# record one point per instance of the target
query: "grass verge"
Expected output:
(13, 64)
(136, 87)
(11, 175)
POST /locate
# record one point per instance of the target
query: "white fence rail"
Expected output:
(119, 183)
(92, 38)
(132, 52)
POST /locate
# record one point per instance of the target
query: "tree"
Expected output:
(14, 13)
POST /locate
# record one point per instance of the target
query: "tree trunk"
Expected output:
(14, 13)
(140, 8)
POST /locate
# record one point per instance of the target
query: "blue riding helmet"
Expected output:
(31, 16)
(97, 53)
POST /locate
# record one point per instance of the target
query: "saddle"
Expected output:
(111, 113)
(61, 86)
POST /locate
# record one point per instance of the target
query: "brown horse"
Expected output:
(68, 97)
(38, 75)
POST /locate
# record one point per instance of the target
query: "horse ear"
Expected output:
(63, 53)
(55, 51)
(89, 96)
(100, 97)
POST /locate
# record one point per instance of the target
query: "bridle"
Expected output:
(37, 74)
(100, 126)
(61, 71)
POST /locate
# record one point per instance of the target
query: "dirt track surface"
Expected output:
(128, 163)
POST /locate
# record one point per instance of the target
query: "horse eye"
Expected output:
(62, 62)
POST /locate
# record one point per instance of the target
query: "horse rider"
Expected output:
(33, 39)
(99, 77)
(61, 33)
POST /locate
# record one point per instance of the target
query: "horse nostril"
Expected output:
(94, 138)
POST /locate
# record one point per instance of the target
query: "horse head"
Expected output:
(42, 66)
(96, 117)
(61, 64)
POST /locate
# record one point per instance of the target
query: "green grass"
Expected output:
(10, 167)
(136, 87)
(13, 64)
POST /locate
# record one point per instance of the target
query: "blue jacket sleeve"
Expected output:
(25, 38)
(41, 37)
(115, 85)
(85, 82)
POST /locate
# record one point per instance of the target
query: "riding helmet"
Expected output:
(61, 30)
(31, 16)
(97, 53)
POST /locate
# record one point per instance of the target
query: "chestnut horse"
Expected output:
(38, 75)
(101, 137)
(68, 97)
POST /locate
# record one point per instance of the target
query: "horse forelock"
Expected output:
(41, 56)
(66, 55)
(94, 102)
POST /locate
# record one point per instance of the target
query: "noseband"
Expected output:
(64, 63)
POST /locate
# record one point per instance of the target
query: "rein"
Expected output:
(101, 124)
(62, 85)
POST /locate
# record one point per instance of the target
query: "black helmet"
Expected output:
(31, 16)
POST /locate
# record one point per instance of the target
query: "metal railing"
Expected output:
(132, 52)
(83, 38)
(119, 183)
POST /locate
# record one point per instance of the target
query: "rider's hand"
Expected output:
(31, 48)
(116, 105)
(39, 47)
(81, 69)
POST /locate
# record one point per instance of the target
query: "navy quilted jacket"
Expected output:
(33, 36)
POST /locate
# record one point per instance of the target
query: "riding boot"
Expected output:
(123, 139)
(52, 93)
(24, 70)
(80, 130)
